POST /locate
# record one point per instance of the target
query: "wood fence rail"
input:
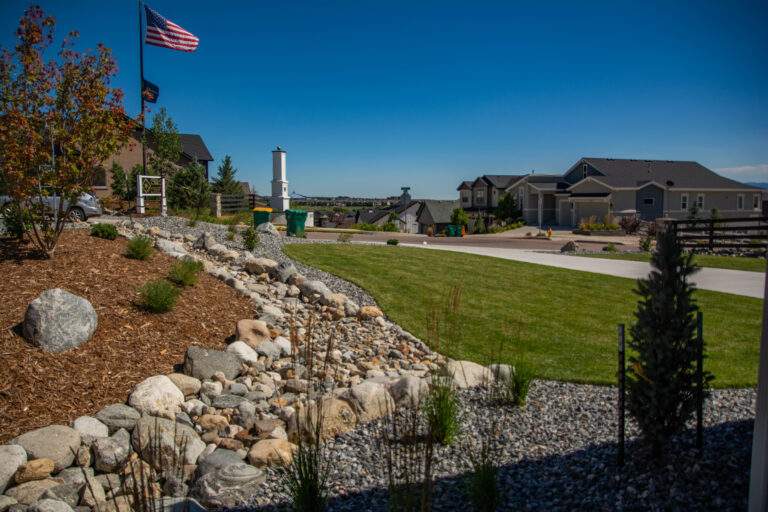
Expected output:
(711, 234)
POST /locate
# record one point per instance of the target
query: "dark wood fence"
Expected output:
(233, 203)
(731, 233)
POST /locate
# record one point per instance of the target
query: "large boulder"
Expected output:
(172, 248)
(272, 452)
(230, 486)
(171, 441)
(49, 505)
(260, 265)
(156, 395)
(267, 228)
(243, 351)
(408, 390)
(58, 320)
(117, 416)
(12, 457)
(186, 384)
(90, 428)
(316, 291)
(284, 271)
(570, 246)
(252, 332)
(204, 241)
(217, 459)
(202, 363)
(30, 492)
(338, 418)
(56, 442)
(466, 374)
(110, 453)
(371, 400)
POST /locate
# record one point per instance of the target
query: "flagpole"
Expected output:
(141, 95)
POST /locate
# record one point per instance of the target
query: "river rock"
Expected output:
(58, 320)
(371, 400)
(50, 505)
(267, 228)
(117, 416)
(467, 374)
(369, 312)
(202, 363)
(156, 395)
(272, 452)
(169, 437)
(12, 457)
(243, 351)
(56, 442)
(284, 272)
(230, 486)
(111, 453)
(260, 265)
(252, 332)
(216, 460)
(188, 385)
(30, 492)
(90, 428)
(37, 469)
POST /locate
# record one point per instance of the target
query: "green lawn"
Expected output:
(728, 262)
(565, 321)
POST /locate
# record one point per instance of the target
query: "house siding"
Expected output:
(650, 211)
(724, 201)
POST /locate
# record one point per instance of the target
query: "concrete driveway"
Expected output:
(737, 282)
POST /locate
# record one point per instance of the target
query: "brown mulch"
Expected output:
(39, 388)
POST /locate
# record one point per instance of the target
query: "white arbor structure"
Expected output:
(140, 194)
(280, 201)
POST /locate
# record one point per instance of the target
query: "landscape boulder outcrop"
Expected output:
(202, 363)
(58, 320)
(156, 395)
(56, 442)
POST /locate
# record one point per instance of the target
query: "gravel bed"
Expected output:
(269, 247)
(559, 453)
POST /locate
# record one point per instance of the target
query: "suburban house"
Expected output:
(435, 214)
(482, 196)
(192, 148)
(649, 189)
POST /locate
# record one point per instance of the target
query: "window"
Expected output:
(648, 201)
(739, 201)
(684, 202)
(99, 177)
(520, 195)
(755, 201)
(479, 194)
(583, 171)
(465, 196)
(700, 201)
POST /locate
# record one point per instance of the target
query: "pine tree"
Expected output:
(225, 182)
(661, 381)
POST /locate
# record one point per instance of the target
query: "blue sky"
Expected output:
(370, 96)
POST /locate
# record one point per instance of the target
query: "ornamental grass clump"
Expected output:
(105, 231)
(185, 272)
(442, 409)
(139, 248)
(158, 296)
(661, 379)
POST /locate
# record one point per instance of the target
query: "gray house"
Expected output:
(481, 196)
(435, 214)
(648, 189)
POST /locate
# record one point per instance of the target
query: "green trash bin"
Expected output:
(261, 215)
(295, 220)
(454, 230)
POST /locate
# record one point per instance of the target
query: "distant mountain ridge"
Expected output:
(758, 184)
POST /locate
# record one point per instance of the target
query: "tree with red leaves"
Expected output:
(60, 120)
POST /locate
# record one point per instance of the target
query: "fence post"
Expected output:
(163, 202)
(216, 204)
(699, 381)
(711, 235)
(139, 196)
(622, 384)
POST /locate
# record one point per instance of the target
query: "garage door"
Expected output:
(586, 210)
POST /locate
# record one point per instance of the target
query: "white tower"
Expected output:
(280, 200)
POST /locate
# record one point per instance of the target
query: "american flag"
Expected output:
(165, 33)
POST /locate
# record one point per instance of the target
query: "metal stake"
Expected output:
(622, 384)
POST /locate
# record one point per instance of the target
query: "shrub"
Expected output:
(430, 231)
(645, 243)
(512, 388)
(250, 238)
(139, 248)
(460, 217)
(393, 241)
(158, 296)
(16, 219)
(479, 227)
(390, 227)
(345, 237)
(611, 247)
(106, 231)
(231, 232)
(366, 227)
(441, 407)
(661, 383)
(184, 272)
(630, 224)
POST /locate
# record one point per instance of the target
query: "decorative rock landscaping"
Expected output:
(219, 429)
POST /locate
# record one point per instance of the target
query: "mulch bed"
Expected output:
(39, 388)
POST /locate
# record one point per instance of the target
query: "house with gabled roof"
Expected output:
(482, 195)
(648, 189)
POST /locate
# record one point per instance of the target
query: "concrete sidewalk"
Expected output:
(737, 282)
